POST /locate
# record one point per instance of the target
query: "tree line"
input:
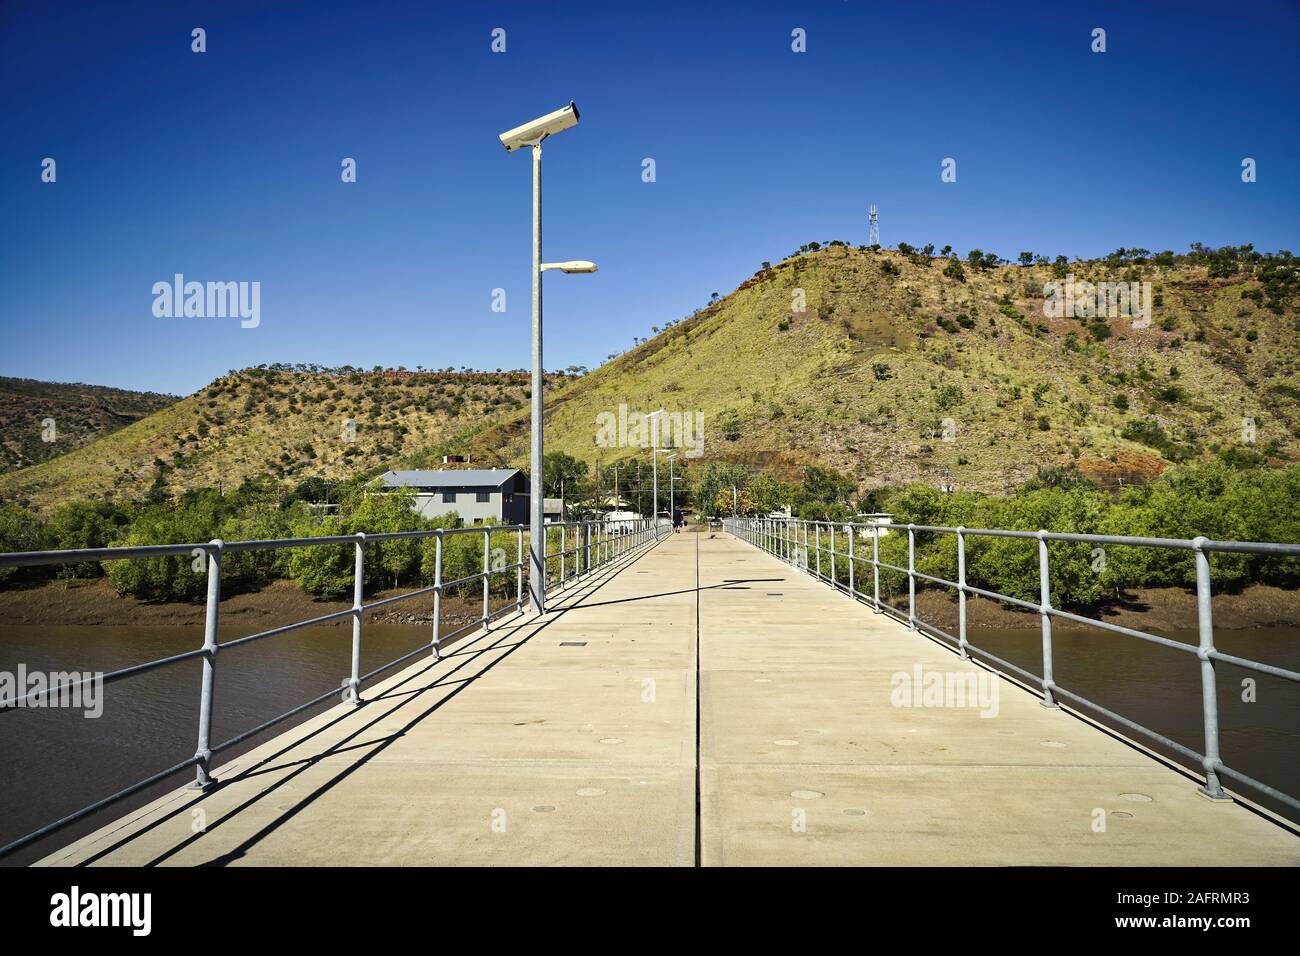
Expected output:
(1222, 500)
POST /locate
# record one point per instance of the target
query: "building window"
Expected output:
(449, 497)
(483, 497)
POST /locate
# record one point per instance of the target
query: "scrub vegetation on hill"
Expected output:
(906, 365)
(41, 420)
(283, 423)
(1218, 500)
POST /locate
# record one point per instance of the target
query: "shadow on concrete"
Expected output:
(506, 639)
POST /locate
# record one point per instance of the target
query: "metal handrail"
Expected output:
(800, 542)
(604, 542)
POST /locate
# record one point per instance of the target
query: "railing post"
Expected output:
(848, 529)
(911, 576)
(1045, 602)
(487, 574)
(203, 752)
(817, 532)
(875, 565)
(804, 525)
(358, 598)
(564, 546)
(961, 592)
(1209, 686)
(835, 581)
(519, 571)
(437, 591)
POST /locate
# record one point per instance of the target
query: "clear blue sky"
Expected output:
(225, 165)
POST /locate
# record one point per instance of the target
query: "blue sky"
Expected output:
(226, 165)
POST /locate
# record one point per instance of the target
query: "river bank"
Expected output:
(1259, 605)
(94, 601)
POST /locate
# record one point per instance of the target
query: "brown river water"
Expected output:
(55, 761)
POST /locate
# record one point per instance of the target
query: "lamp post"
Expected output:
(672, 505)
(657, 453)
(532, 134)
(654, 461)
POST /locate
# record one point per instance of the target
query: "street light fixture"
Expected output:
(532, 134)
(573, 265)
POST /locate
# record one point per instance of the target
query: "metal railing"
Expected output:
(804, 543)
(595, 544)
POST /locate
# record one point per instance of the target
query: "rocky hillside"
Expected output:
(900, 366)
(276, 422)
(890, 366)
(40, 420)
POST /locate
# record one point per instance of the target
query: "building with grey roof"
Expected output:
(477, 495)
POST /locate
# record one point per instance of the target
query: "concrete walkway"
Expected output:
(799, 728)
(565, 740)
(573, 740)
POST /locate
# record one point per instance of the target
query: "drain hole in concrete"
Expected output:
(573, 643)
(854, 812)
(807, 794)
(776, 594)
(1122, 814)
(544, 808)
(1135, 797)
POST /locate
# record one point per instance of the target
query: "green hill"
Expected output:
(40, 420)
(275, 422)
(898, 369)
(900, 366)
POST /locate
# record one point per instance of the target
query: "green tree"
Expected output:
(20, 530)
(83, 524)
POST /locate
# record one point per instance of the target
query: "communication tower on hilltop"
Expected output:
(873, 238)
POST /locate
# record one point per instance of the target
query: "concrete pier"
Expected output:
(572, 739)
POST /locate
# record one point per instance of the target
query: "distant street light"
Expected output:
(671, 510)
(531, 134)
(654, 458)
(672, 504)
